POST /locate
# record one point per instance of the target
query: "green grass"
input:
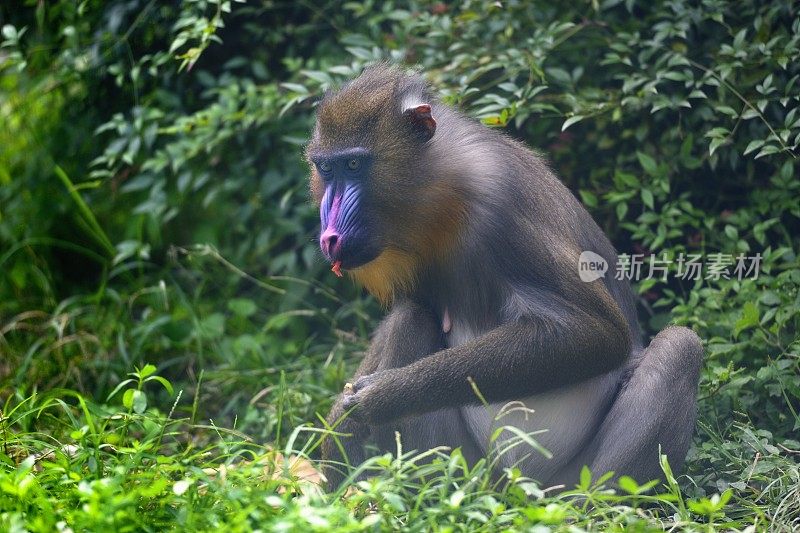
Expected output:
(129, 467)
(205, 442)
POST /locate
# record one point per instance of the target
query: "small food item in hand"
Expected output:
(348, 388)
(337, 269)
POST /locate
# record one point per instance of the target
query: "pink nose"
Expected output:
(330, 242)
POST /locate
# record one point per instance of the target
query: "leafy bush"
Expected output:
(153, 209)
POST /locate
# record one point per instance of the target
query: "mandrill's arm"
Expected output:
(409, 333)
(530, 355)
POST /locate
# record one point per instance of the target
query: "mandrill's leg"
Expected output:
(655, 406)
(410, 332)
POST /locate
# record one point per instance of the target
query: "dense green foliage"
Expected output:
(153, 211)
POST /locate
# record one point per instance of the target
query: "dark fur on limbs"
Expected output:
(472, 229)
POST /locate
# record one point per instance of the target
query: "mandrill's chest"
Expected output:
(563, 419)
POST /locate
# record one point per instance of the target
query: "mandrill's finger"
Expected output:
(349, 402)
(364, 381)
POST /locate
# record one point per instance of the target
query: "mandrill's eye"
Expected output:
(324, 166)
(353, 164)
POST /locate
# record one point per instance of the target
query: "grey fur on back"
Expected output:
(469, 156)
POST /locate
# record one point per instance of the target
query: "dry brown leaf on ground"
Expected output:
(274, 467)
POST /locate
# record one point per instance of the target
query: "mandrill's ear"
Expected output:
(422, 123)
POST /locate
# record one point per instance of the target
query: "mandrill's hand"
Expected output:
(344, 422)
(372, 398)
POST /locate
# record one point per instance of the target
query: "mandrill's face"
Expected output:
(349, 234)
(379, 210)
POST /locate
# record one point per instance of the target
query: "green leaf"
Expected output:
(395, 501)
(166, 384)
(622, 210)
(769, 298)
(717, 133)
(586, 478)
(714, 144)
(9, 32)
(243, 307)
(148, 370)
(647, 198)
(456, 498)
(648, 163)
(627, 179)
(127, 398)
(748, 320)
(588, 198)
(727, 110)
(570, 121)
(139, 401)
(213, 326)
(675, 76)
(295, 87)
(767, 150)
(754, 145)
(627, 484)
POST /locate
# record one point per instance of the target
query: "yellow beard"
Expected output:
(391, 272)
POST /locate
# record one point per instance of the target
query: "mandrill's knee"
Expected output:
(678, 350)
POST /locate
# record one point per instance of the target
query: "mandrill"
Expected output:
(474, 244)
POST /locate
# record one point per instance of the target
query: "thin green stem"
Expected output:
(745, 101)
